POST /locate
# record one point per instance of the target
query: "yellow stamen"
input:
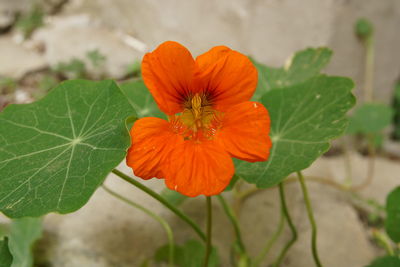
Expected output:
(196, 106)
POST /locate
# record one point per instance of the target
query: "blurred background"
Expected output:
(43, 42)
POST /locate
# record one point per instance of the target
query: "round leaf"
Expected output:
(302, 66)
(304, 118)
(370, 118)
(55, 152)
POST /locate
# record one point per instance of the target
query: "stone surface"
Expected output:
(16, 60)
(68, 37)
(270, 30)
(107, 232)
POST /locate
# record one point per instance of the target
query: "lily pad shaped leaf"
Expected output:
(370, 118)
(141, 99)
(55, 152)
(304, 118)
(302, 66)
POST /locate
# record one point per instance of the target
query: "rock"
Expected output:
(268, 30)
(107, 232)
(66, 38)
(16, 60)
(342, 239)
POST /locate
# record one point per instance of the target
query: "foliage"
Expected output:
(141, 99)
(96, 58)
(387, 261)
(7, 85)
(28, 23)
(392, 223)
(370, 118)
(66, 142)
(173, 197)
(191, 254)
(302, 66)
(304, 118)
(5, 255)
(23, 234)
(75, 68)
(133, 70)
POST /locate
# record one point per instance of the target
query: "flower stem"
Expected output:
(231, 216)
(311, 219)
(271, 241)
(147, 190)
(290, 223)
(209, 231)
(369, 69)
(163, 222)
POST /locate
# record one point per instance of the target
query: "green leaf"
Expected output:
(232, 183)
(392, 223)
(387, 261)
(23, 234)
(4, 229)
(141, 99)
(6, 258)
(191, 254)
(303, 65)
(304, 118)
(173, 197)
(54, 153)
(370, 118)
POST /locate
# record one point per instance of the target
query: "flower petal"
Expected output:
(228, 76)
(152, 141)
(244, 132)
(168, 73)
(199, 168)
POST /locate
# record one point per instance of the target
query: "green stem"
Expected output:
(383, 241)
(147, 190)
(231, 216)
(271, 241)
(163, 222)
(290, 223)
(369, 69)
(311, 219)
(209, 231)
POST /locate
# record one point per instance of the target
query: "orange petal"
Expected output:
(152, 142)
(198, 168)
(244, 132)
(229, 76)
(168, 73)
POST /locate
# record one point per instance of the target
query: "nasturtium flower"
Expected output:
(210, 119)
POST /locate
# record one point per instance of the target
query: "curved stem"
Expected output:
(163, 222)
(209, 231)
(371, 165)
(231, 216)
(147, 190)
(271, 241)
(290, 223)
(311, 219)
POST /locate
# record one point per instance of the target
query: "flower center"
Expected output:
(199, 119)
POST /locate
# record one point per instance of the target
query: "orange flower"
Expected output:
(210, 119)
